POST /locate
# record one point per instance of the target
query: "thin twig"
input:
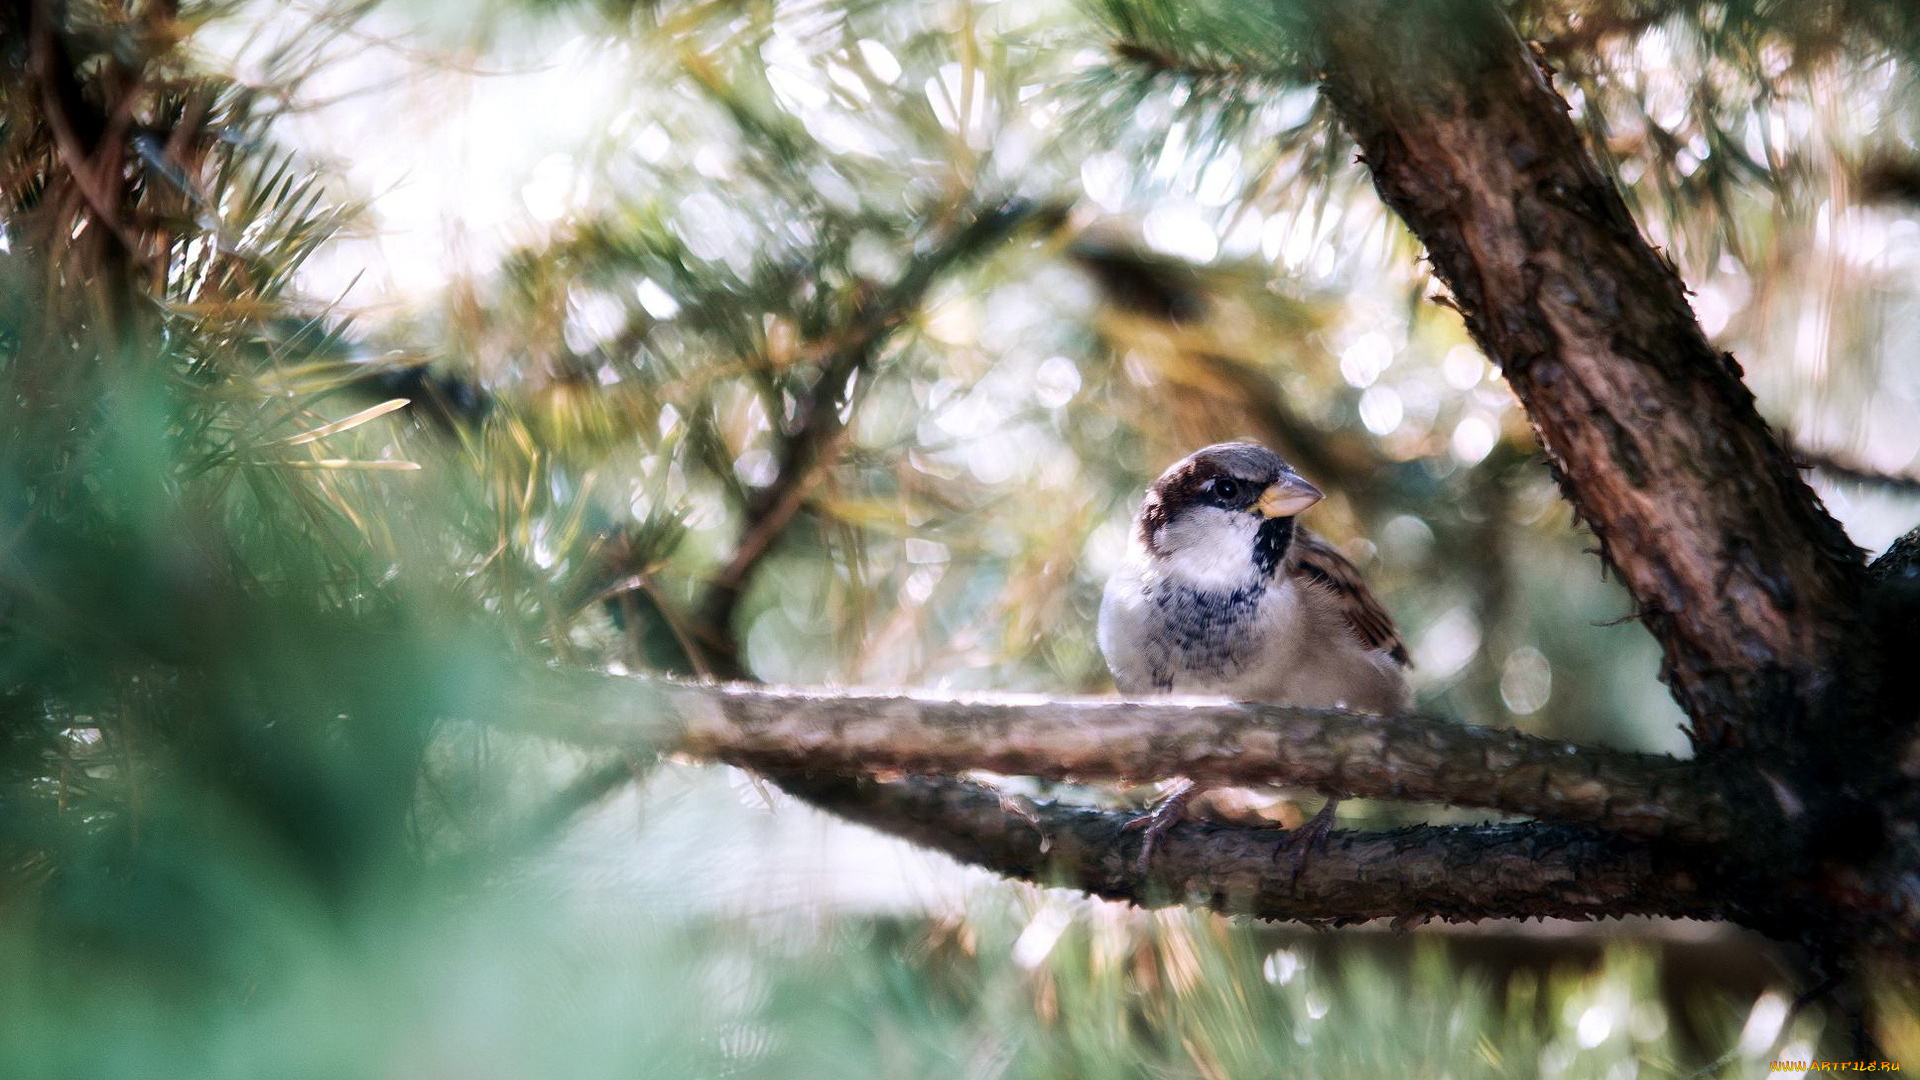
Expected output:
(1840, 467)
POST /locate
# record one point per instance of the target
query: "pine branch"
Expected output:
(1335, 753)
(809, 445)
(1412, 875)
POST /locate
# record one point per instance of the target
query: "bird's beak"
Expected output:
(1286, 497)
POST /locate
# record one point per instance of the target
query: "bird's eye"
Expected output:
(1226, 490)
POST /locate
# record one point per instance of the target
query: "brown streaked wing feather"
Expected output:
(1321, 563)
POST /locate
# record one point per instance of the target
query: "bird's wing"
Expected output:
(1321, 563)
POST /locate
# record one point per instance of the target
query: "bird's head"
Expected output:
(1223, 516)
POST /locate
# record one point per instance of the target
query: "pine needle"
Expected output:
(346, 424)
(348, 463)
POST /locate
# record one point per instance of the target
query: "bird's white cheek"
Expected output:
(1209, 549)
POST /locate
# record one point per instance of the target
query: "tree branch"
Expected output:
(1452, 873)
(1336, 753)
(1739, 572)
(1853, 472)
(809, 446)
(1900, 562)
(1896, 615)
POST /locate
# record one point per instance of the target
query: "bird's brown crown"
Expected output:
(1228, 475)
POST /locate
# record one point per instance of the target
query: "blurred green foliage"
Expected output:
(943, 285)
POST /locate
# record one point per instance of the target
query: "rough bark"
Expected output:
(1411, 875)
(1900, 563)
(1895, 610)
(1332, 752)
(1737, 569)
(1622, 833)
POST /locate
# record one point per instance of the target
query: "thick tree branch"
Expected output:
(1335, 753)
(1742, 576)
(1453, 873)
(1896, 614)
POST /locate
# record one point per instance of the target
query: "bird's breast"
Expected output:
(1271, 640)
(1161, 635)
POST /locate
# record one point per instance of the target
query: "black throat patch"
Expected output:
(1271, 543)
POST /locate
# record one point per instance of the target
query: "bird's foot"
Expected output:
(1164, 815)
(1310, 837)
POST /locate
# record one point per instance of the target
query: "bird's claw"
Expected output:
(1311, 836)
(1164, 815)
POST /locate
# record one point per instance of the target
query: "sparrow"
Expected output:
(1223, 592)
